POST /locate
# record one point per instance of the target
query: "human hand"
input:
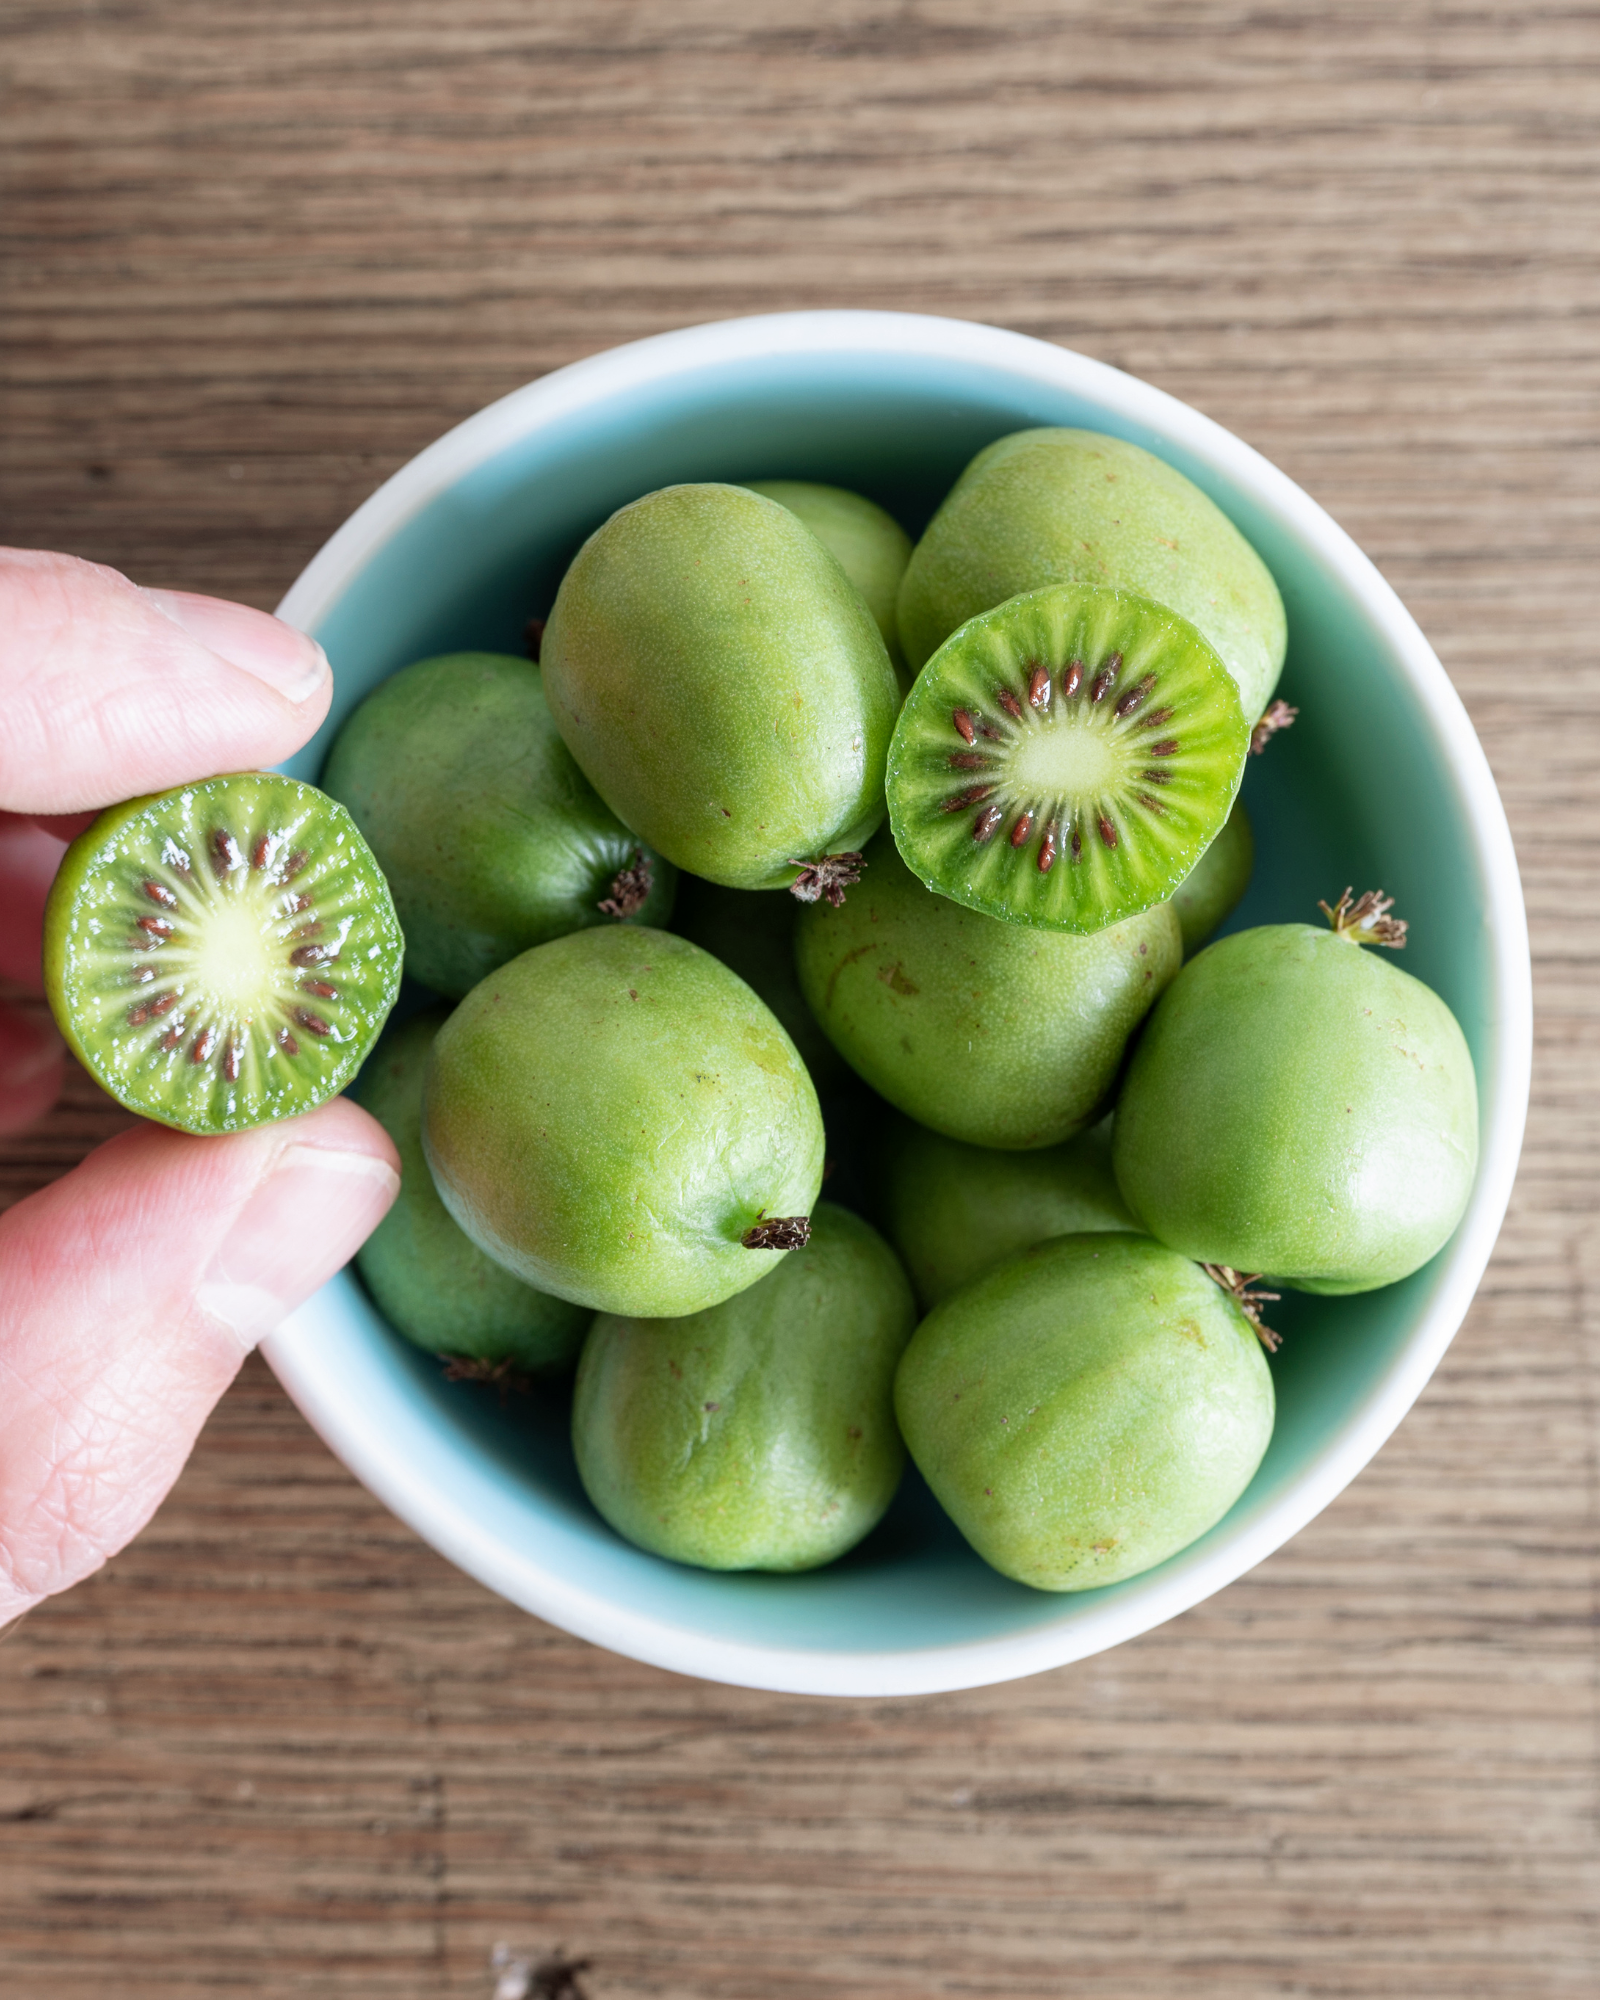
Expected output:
(132, 1289)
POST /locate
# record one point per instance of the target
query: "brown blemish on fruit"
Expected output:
(893, 976)
(986, 822)
(849, 958)
(963, 722)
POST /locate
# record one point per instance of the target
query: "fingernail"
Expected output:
(307, 1217)
(252, 640)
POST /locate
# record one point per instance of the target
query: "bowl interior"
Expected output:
(1358, 792)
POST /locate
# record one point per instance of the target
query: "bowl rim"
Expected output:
(293, 1351)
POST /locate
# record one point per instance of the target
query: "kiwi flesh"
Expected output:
(222, 954)
(1073, 506)
(869, 545)
(491, 838)
(429, 1280)
(1065, 759)
(952, 1210)
(1215, 886)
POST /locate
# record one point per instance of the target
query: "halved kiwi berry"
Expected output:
(223, 954)
(1064, 759)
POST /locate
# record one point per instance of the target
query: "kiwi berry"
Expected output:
(1066, 758)
(952, 1210)
(724, 688)
(869, 545)
(759, 1434)
(616, 1118)
(432, 1283)
(490, 836)
(1087, 1408)
(1070, 506)
(223, 954)
(1215, 885)
(991, 1032)
(1299, 1106)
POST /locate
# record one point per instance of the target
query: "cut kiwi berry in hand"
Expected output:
(223, 954)
(1065, 759)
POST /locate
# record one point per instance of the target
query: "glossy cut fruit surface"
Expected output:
(432, 1283)
(759, 1434)
(1072, 506)
(490, 836)
(953, 1210)
(1066, 758)
(719, 679)
(222, 954)
(996, 1033)
(1215, 885)
(869, 545)
(1086, 1409)
(609, 1116)
(1299, 1106)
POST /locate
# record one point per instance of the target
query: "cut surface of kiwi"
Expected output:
(223, 954)
(1064, 759)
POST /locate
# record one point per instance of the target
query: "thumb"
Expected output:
(130, 1291)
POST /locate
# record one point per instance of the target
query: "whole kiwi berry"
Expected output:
(869, 545)
(724, 688)
(617, 1119)
(430, 1282)
(1086, 1409)
(991, 1032)
(1074, 506)
(759, 1434)
(490, 836)
(1299, 1106)
(953, 1210)
(222, 954)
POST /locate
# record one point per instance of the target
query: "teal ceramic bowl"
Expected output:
(1381, 783)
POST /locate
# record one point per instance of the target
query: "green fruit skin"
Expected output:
(953, 1210)
(491, 837)
(1069, 506)
(430, 1282)
(996, 1033)
(869, 545)
(1299, 1106)
(722, 684)
(752, 932)
(1215, 885)
(607, 1116)
(73, 964)
(759, 1434)
(1085, 1409)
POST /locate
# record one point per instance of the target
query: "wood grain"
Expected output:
(256, 257)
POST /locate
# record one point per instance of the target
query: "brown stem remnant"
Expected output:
(1367, 920)
(1279, 716)
(778, 1232)
(1249, 1302)
(502, 1375)
(827, 877)
(630, 888)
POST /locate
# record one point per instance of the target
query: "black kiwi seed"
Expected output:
(1098, 732)
(223, 954)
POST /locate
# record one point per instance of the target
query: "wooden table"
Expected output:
(256, 257)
